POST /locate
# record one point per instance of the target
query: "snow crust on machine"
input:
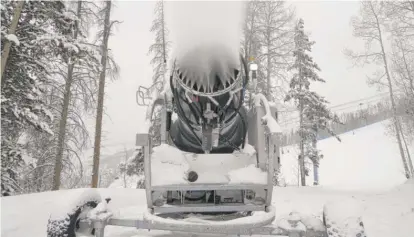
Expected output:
(267, 119)
(256, 217)
(88, 195)
(248, 149)
(170, 166)
(100, 212)
(249, 174)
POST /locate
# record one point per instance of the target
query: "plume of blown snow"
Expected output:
(206, 39)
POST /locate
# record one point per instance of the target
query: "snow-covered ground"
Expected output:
(365, 162)
(366, 159)
(386, 214)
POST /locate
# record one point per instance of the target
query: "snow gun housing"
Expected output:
(216, 156)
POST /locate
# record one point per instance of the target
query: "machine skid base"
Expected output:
(250, 225)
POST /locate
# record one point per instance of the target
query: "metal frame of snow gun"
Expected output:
(143, 94)
(291, 226)
(264, 139)
(261, 136)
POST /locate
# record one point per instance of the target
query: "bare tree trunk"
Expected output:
(410, 163)
(12, 30)
(412, 6)
(315, 163)
(64, 115)
(394, 109)
(125, 171)
(163, 31)
(302, 145)
(315, 173)
(411, 81)
(302, 148)
(248, 49)
(164, 53)
(269, 66)
(101, 93)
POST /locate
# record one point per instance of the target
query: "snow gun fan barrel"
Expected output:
(208, 94)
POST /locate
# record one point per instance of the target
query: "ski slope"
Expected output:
(365, 159)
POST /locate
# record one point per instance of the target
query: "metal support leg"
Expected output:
(99, 226)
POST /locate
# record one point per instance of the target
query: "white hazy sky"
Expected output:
(327, 21)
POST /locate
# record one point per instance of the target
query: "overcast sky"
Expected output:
(326, 21)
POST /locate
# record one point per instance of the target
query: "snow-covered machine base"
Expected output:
(92, 221)
(257, 223)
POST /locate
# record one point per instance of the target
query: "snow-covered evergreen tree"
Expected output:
(40, 36)
(314, 114)
(134, 167)
(56, 50)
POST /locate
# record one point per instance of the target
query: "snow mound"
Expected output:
(291, 223)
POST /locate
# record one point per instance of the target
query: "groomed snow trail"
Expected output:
(366, 159)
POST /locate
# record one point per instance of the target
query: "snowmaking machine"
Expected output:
(213, 171)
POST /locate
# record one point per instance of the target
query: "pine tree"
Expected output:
(79, 100)
(41, 33)
(79, 70)
(314, 114)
